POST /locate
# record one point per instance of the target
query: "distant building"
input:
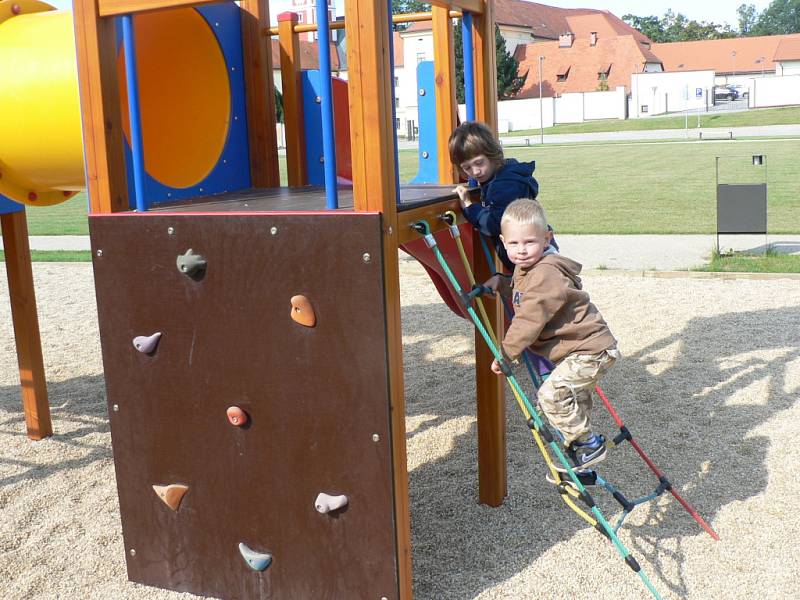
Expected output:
(306, 11)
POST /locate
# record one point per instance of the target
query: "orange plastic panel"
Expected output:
(184, 95)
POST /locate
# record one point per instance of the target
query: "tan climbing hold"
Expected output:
(171, 495)
(303, 311)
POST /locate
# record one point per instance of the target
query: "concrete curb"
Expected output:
(722, 275)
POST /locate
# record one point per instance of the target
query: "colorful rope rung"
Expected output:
(624, 435)
(535, 421)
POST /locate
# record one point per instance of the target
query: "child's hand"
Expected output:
(493, 283)
(463, 196)
(496, 367)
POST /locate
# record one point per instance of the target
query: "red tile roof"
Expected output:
(718, 54)
(788, 49)
(548, 22)
(617, 56)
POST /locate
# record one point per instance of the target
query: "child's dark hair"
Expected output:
(471, 139)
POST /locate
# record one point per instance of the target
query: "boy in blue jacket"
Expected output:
(478, 154)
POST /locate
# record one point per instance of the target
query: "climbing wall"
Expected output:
(246, 374)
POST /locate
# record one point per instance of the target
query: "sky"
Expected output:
(718, 11)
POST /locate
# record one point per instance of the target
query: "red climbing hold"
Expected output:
(237, 416)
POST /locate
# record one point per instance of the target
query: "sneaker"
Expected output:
(589, 453)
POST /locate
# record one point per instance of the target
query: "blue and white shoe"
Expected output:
(589, 453)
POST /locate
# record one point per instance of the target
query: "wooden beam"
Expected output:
(110, 8)
(492, 486)
(445, 84)
(260, 92)
(26, 325)
(429, 213)
(96, 49)
(375, 188)
(473, 6)
(289, 42)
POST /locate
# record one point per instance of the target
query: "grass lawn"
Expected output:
(653, 187)
(661, 187)
(762, 116)
(771, 262)
(56, 256)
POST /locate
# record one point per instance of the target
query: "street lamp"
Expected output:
(762, 61)
(541, 110)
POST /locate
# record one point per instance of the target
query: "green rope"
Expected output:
(424, 228)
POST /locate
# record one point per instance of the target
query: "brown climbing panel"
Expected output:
(316, 398)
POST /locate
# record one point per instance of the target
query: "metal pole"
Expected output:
(469, 65)
(134, 112)
(326, 95)
(541, 109)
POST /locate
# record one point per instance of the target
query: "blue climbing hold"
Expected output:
(258, 561)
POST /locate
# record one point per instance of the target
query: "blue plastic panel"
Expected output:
(428, 154)
(9, 206)
(232, 171)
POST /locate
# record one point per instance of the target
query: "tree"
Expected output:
(781, 16)
(747, 16)
(509, 82)
(401, 7)
(278, 105)
(674, 27)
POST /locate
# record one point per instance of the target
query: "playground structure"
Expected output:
(180, 128)
(250, 333)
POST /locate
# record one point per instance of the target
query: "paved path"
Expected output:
(624, 252)
(693, 133)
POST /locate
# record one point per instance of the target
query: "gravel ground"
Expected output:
(708, 384)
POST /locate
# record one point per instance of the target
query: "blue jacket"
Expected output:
(512, 181)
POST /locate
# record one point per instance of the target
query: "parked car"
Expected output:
(725, 93)
(744, 92)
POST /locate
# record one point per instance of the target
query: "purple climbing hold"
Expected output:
(146, 344)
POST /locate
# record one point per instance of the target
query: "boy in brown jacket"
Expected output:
(555, 319)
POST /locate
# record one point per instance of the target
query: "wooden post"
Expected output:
(375, 188)
(26, 325)
(95, 45)
(292, 99)
(445, 82)
(492, 486)
(260, 91)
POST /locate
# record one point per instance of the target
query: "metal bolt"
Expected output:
(16, 9)
(233, 68)
(318, 100)
(425, 154)
(390, 230)
(115, 408)
(322, 159)
(99, 253)
(376, 437)
(421, 91)
(366, 257)
(236, 117)
(273, 230)
(201, 189)
(132, 552)
(216, 24)
(170, 230)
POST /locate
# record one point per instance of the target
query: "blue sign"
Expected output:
(698, 92)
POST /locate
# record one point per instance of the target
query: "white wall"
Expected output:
(516, 115)
(775, 91)
(788, 67)
(670, 92)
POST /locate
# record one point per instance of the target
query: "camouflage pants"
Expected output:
(566, 396)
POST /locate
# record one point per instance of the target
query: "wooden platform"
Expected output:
(310, 198)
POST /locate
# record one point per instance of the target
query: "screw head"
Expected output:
(16, 9)
(425, 154)
(273, 230)
(318, 100)
(132, 552)
(366, 257)
(115, 408)
(33, 196)
(170, 230)
(421, 91)
(390, 230)
(99, 253)
(376, 437)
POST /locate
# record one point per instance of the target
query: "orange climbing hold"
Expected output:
(303, 311)
(171, 495)
(237, 416)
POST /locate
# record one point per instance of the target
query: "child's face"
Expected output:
(525, 243)
(479, 168)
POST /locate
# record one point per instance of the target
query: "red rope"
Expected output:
(689, 508)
